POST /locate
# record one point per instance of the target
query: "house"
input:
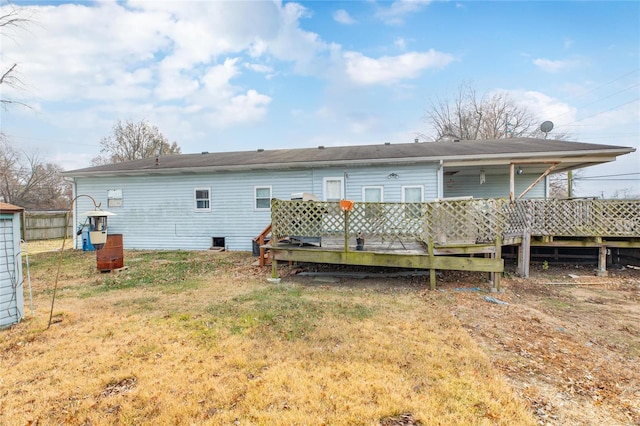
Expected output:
(11, 291)
(196, 201)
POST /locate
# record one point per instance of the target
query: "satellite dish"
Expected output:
(546, 127)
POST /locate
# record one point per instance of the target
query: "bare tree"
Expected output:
(626, 194)
(559, 183)
(494, 116)
(131, 141)
(27, 181)
(473, 117)
(11, 19)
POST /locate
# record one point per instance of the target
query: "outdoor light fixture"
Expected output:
(520, 171)
(393, 176)
(482, 177)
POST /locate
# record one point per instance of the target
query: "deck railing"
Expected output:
(467, 221)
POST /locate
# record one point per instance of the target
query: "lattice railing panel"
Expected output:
(305, 219)
(387, 220)
(583, 218)
(459, 221)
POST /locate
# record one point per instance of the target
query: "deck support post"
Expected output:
(274, 269)
(602, 260)
(524, 255)
(495, 276)
(432, 272)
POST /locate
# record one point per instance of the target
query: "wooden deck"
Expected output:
(449, 235)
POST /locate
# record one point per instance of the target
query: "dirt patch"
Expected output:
(571, 350)
(568, 342)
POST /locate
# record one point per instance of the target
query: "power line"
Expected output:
(612, 179)
(599, 87)
(620, 174)
(601, 112)
(606, 97)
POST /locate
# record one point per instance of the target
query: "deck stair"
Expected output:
(263, 254)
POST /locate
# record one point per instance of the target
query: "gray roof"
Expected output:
(507, 150)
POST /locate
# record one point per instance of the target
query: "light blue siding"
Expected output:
(158, 212)
(495, 186)
(356, 178)
(11, 289)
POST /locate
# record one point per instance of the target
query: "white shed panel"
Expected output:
(11, 294)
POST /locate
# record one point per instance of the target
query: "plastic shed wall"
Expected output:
(11, 280)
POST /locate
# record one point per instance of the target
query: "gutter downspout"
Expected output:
(440, 181)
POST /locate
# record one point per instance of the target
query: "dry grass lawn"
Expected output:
(202, 338)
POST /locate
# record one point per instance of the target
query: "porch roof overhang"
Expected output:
(565, 161)
(495, 153)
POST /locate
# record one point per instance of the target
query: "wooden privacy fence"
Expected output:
(46, 225)
(453, 222)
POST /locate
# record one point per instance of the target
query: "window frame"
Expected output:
(255, 198)
(405, 187)
(324, 186)
(364, 190)
(412, 210)
(114, 198)
(196, 199)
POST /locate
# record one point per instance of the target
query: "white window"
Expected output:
(333, 188)
(202, 199)
(372, 194)
(114, 197)
(413, 195)
(262, 195)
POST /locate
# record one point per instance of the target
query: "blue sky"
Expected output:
(221, 76)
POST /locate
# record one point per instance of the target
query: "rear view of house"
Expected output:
(196, 201)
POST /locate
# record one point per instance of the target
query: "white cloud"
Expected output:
(342, 16)
(544, 107)
(123, 55)
(391, 69)
(400, 43)
(265, 69)
(241, 109)
(395, 13)
(217, 79)
(552, 66)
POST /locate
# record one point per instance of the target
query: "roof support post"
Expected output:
(512, 182)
